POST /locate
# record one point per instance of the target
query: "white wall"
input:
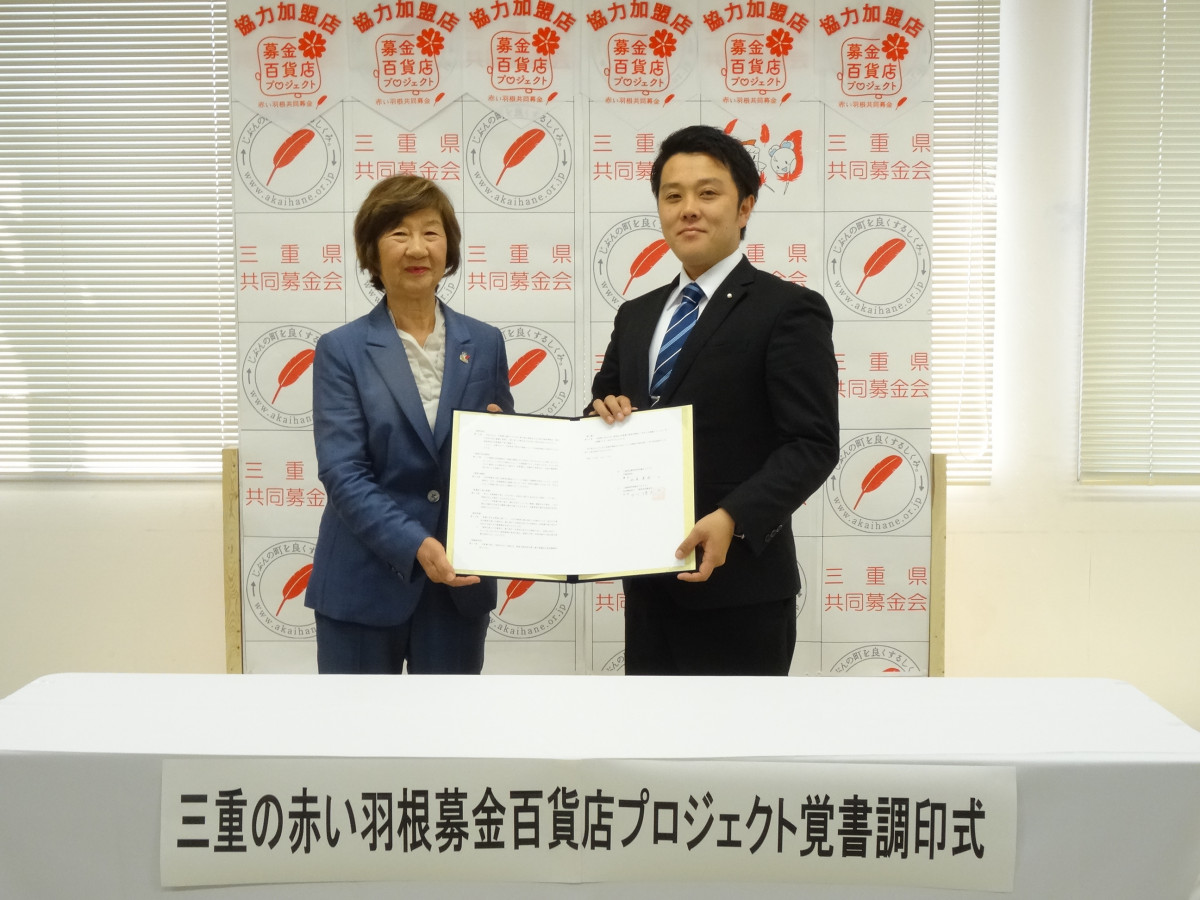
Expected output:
(120, 577)
(1044, 577)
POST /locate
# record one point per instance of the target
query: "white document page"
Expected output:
(558, 498)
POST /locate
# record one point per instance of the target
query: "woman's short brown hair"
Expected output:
(388, 203)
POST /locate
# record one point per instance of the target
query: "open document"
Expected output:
(571, 499)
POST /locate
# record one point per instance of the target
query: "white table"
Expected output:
(1108, 782)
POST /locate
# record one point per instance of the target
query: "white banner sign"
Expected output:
(264, 820)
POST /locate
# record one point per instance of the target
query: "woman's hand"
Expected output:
(432, 557)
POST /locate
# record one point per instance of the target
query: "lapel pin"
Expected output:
(464, 357)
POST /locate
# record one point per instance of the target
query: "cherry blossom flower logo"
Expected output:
(545, 41)
(662, 42)
(779, 42)
(312, 45)
(430, 42)
(895, 47)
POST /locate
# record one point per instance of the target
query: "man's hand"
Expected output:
(432, 557)
(712, 534)
(613, 409)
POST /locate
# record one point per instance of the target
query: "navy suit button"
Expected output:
(433, 496)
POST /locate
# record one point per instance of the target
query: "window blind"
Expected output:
(965, 114)
(117, 328)
(1140, 378)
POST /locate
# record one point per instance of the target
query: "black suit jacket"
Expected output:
(760, 373)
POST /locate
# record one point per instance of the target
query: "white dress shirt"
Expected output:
(428, 363)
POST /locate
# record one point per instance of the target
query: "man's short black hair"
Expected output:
(724, 148)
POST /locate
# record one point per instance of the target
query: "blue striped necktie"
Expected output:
(684, 318)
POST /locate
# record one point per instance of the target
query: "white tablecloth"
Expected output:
(1108, 781)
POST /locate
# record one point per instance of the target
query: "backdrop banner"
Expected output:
(541, 121)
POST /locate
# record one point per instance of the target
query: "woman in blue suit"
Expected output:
(385, 387)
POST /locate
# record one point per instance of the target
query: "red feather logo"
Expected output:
(515, 589)
(520, 149)
(290, 149)
(880, 473)
(879, 260)
(296, 366)
(646, 260)
(523, 367)
(295, 586)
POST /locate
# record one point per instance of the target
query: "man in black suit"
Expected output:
(753, 355)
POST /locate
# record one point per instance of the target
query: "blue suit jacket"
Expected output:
(386, 474)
